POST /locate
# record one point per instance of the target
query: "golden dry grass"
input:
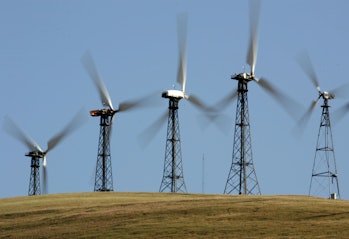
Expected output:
(162, 215)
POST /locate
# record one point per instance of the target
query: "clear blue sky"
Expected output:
(134, 44)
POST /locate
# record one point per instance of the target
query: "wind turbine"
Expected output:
(324, 177)
(35, 151)
(173, 177)
(103, 176)
(242, 178)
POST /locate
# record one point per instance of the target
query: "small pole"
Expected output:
(203, 174)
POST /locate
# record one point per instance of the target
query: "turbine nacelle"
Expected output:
(244, 76)
(36, 154)
(95, 113)
(327, 95)
(174, 94)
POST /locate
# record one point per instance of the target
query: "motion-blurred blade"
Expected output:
(306, 116)
(91, 69)
(12, 129)
(148, 100)
(253, 44)
(267, 86)
(182, 37)
(340, 113)
(44, 177)
(223, 103)
(79, 119)
(198, 103)
(340, 92)
(129, 105)
(149, 133)
(307, 67)
(223, 122)
(287, 103)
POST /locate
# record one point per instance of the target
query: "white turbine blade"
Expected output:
(44, 175)
(12, 129)
(253, 44)
(182, 37)
(91, 69)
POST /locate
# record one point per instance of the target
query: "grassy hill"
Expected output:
(162, 215)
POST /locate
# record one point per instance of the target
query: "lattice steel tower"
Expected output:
(324, 177)
(34, 182)
(104, 176)
(173, 179)
(242, 178)
(36, 153)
